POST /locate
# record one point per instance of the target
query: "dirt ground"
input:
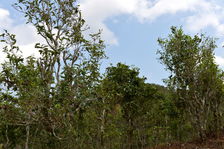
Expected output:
(210, 143)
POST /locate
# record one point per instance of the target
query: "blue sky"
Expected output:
(131, 28)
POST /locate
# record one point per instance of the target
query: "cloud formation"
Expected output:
(25, 34)
(4, 18)
(207, 14)
(204, 13)
(219, 60)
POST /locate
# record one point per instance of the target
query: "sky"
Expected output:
(131, 28)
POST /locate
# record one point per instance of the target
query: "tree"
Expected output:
(122, 87)
(46, 95)
(194, 76)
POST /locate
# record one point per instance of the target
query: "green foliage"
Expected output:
(45, 97)
(195, 77)
(127, 93)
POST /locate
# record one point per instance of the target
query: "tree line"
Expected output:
(61, 100)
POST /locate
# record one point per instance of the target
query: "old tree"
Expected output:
(44, 96)
(195, 78)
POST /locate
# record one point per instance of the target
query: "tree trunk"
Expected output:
(27, 137)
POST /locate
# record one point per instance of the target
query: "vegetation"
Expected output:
(60, 100)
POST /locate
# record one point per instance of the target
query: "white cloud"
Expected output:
(219, 60)
(161, 7)
(29, 50)
(2, 56)
(96, 12)
(208, 14)
(200, 21)
(4, 19)
(25, 34)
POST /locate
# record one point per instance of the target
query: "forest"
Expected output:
(61, 100)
